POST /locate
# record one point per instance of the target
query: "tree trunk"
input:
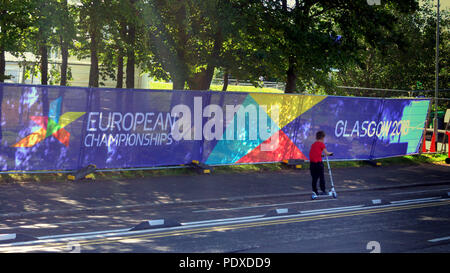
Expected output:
(202, 80)
(64, 45)
(64, 61)
(178, 80)
(291, 79)
(95, 36)
(120, 55)
(178, 64)
(206, 81)
(284, 4)
(119, 76)
(44, 62)
(225, 80)
(2, 65)
(130, 56)
(2, 56)
(93, 72)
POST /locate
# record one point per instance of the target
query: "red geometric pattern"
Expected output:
(284, 149)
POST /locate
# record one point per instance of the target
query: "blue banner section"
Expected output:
(66, 128)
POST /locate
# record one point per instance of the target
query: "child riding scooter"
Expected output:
(317, 168)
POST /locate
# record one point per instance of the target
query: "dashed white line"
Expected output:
(44, 225)
(416, 200)
(83, 234)
(413, 192)
(223, 220)
(439, 239)
(332, 209)
(250, 219)
(262, 206)
(6, 237)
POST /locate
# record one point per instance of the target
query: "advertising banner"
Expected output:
(66, 128)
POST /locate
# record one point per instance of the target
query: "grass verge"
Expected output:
(55, 177)
(215, 87)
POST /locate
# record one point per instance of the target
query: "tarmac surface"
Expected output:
(400, 206)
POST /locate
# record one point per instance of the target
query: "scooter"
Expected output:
(332, 192)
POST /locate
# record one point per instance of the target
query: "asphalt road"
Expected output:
(404, 219)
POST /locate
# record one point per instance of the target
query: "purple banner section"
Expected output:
(67, 128)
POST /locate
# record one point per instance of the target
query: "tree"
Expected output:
(125, 27)
(92, 28)
(14, 23)
(65, 33)
(312, 37)
(43, 20)
(111, 52)
(187, 38)
(110, 34)
(408, 64)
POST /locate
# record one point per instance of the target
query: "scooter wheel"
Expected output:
(313, 197)
(334, 194)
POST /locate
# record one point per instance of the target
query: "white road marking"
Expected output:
(83, 234)
(439, 239)
(263, 206)
(74, 222)
(223, 220)
(43, 225)
(415, 200)
(332, 209)
(5, 237)
(158, 222)
(281, 211)
(413, 192)
(126, 232)
(251, 219)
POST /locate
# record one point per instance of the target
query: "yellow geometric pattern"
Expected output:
(290, 106)
(68, 117)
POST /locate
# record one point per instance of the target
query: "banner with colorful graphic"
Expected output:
(65, 128)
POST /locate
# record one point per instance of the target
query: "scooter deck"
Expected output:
(331, 194)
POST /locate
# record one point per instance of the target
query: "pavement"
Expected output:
(19, 199)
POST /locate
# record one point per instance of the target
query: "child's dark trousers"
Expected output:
(317, 172)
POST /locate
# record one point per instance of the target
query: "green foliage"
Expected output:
(15, 19)
(188, 38)
(304, 38)
(55, 75)
(409, 62)
(14, 23)
(314, 44)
